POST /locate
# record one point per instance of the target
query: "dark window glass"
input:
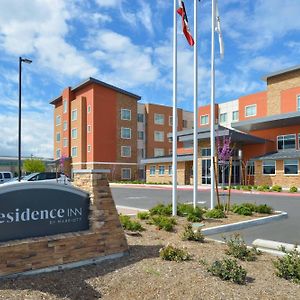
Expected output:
(291, 167)
(140, 118)
(7, 175)
(269, 167)
(280, 143)
(290, 142)
(0, 175)
(205, 152)
(50, 176)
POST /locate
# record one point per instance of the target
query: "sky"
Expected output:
(129, 44)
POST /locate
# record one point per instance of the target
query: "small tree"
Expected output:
(34, 165)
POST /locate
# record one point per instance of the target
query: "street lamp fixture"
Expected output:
(26, 61)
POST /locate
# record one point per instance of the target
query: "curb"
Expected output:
(244, 224)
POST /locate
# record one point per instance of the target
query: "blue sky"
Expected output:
(129, 44)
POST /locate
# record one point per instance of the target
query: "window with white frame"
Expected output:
(291, 167)
(171, 120)
(140, 118)
(126, 173)
(74, 133)
(65, 106)
(205, 152)
(204, 120)
(74, 151)
(125, 151)
(269, 167)
(58, 120)
(65, 142)
(141, 135)
(161, 170)
(159, 152)
(65, 126)
(170, 170)
(250, 110)
(152, 170)
(286, 142)
(223, 117)
(89, 109)
(235, 116)
(159, 119)
(89, 128)
(58, 137)
(158, 136)
(89, 148)
(125, 114)
(74, 115)
(58, 154)
(298, 102)
(125, 133)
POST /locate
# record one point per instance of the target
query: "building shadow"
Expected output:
(72, 284)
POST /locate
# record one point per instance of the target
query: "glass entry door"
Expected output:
(206, 163)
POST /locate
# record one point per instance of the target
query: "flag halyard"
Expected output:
(185, 28)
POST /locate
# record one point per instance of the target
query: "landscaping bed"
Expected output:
(145, 275)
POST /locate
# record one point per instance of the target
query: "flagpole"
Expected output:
(212, 107)
(174, 128)
(195, 154)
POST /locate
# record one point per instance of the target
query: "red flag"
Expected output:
(185, 28)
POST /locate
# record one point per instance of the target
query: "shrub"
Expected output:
(228, 269)
(163, 222)
(238, 187)
(263, 188)
(238, 249)
(254, 187)
(184, 209)
(161, 210)
(246, 188)
(251, 206)
(276, 188)
(190, 235)
(288, 266)
(130, 225)
(293, 189)
(143, 215)
(242, 210)
(263, 209)
(196, 215)
(225, 188)
(221, 206)
(174, 254)
(215, 214)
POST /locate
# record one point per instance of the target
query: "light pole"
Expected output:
(27, 61)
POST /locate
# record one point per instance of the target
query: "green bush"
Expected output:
(246, 187)
(276, 188)
(242, 210)
(196, 215)
(174, 254)
(161, 210)
(254, 187)
(143, 215)
(190, 235)
(264, 209)
(293, 189)
(238, 187)
(238, 248)
(228, 269)
(288, 266)
(263, 188)
(163, 222)
(221, 206)
(130, 225)
(215, 214)
(184, 209)
(251, 206)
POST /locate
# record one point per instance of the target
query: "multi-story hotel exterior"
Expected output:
(265, 132)
(100, 126)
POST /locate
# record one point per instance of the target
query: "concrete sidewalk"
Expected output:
(131, 211)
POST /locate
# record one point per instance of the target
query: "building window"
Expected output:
(159, 119)
(250, 110)
(126, 173)
(74, 151)
(58, 120)
(184, 123)
(141, 135)
(58, 153)
(141, 153)
(89, 109)
(65, 142)
(152, 170)
(74, 115)
(140, 118)
(269, 167)
(65, 107)
(235, 116)
(205, 152)
(223, 118)
(159, 152)
(158, 136)
(171, 120)
(286, 142)
(89, 128)
(89, 148)
(204, 120)
(125, 114)
(74, 133)
(58, 137)
(290, 167)
(125, 133)
(250, 168)
(170, 170)
(161, 170)
(298, 102)
(125, 151)
(65, 126)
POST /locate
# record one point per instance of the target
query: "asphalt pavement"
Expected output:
(286, 230)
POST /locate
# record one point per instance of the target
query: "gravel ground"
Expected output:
(143, 275)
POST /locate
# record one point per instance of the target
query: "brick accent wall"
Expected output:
(105, 236)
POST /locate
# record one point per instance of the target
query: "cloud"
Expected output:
(108, 3)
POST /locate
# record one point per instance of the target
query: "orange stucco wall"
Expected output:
(289, 100)
(205, 110)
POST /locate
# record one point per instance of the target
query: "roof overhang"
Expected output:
(165, 159)
(268, 122)
(280, 155)
(287, 70)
